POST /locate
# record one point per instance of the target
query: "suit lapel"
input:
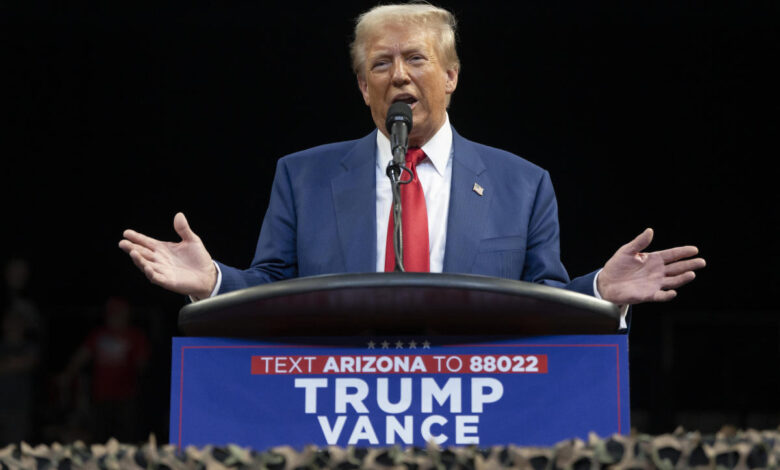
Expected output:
(354, 198)
(468, 212)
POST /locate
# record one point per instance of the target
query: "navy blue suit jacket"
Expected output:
(321, 218)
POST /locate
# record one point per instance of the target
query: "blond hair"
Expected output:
(437, 20)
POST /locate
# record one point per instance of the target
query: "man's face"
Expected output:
(402, 64)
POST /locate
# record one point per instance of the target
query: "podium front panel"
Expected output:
(367, 391)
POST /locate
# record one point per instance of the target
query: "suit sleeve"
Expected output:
(276, 255)
(543, 254)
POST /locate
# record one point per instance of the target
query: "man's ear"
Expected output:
(452, 80)
(363, 85)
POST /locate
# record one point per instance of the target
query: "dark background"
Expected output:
(659, 114)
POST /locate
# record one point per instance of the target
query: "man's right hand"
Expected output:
(185, 267)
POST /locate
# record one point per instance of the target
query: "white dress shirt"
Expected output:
(435, 174)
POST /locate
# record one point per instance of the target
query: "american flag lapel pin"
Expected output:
(478, 189)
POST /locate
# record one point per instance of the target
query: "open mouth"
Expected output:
(406, 98)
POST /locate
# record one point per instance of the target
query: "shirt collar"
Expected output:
(437, 149)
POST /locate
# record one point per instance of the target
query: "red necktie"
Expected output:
(414, 216)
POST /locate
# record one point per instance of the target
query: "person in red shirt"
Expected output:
(118, 353)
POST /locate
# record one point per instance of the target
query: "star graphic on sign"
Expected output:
(426, 345)
(412, 344)
(371, 345)
(399, 345)
(385, 345)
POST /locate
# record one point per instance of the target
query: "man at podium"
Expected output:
(470, 208)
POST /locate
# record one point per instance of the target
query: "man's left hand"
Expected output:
(632, 277)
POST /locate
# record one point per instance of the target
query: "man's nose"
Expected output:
(400, 73)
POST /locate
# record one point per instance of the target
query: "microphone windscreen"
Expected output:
(399, 111)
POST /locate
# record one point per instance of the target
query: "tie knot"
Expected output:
(414, 156)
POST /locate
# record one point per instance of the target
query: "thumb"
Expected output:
(183, 228)
(639, 243)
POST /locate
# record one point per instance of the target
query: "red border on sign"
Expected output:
(266, 346)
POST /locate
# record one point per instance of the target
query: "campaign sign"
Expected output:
(398, 391)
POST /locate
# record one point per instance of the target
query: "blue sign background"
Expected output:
(216, 400)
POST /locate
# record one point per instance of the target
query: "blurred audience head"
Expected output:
(17, 273)
(117, 313)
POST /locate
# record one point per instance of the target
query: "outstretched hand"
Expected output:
(632, 277)
(184, 267)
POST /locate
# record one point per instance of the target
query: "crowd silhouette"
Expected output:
(102, 374)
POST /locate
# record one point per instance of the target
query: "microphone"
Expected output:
(399, 125)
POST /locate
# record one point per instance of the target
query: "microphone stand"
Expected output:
(394, 170)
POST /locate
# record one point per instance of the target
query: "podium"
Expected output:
(398, 359)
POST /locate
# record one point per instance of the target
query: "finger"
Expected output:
(183, 228)
(140, 239)
(680, 267)
(155, 277)
(144, 264)
(677, 253)
(152, 275)
(146, 253)
(674, 282)
(150, 270)
(161, 278)
(664, 295)
(639, 243)
(126, 245)
(139, 261)
(154, 272)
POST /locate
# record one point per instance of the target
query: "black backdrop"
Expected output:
(661, 114)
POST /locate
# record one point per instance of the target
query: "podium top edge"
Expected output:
(553, 297)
